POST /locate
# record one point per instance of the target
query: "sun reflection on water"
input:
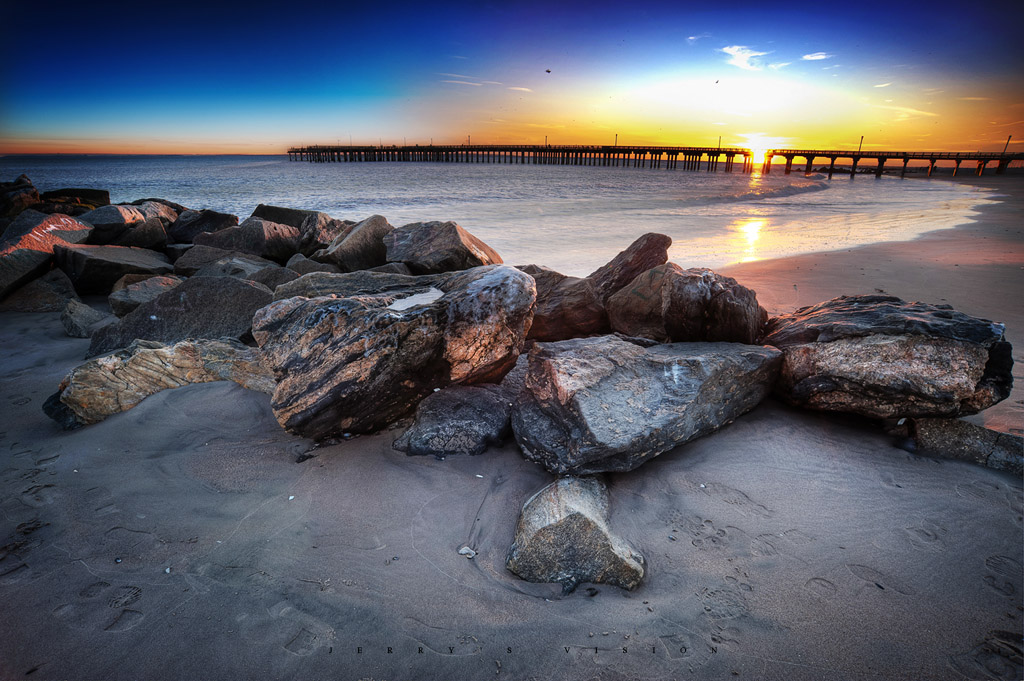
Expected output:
(749, 230)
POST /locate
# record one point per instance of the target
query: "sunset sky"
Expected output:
(191, 77)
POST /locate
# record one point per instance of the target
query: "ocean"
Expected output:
(569, 218)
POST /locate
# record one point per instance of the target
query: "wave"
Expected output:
(759, 193)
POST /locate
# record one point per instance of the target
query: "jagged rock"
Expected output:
(194, 259)
(200, 307)
(80, 320)
(563, 537)
(111, 222)
(239, 266)
(95, 269)
(359, 363)
(84, 196)
(49, 293)
(272, 277)
(193, 222)
(393, 268)
(361, 248)
(648, 251)
(461, 419)
(882, 357)
(150, 234)
(604, 404)
(348, 284)
(257, 236)
(300, 264)
(158, 209)
(124, 300)
(432, 247)
(319, 230)
(293, 217)
(567, 307)
(26, 248)
(115, 383)
(670, 304)
(958, 439)
(17, 196)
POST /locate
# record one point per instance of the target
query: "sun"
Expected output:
(759, 143)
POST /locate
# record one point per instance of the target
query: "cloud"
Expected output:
(458, 56)
(457, 75)
(742, 56)
(520, 89)
(694, 38)
(883, 85)
(905, 112)
(974, 99)
(461, 82)
(490, 82)
(816, 56)
(780, 65)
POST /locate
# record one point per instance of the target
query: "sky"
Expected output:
(192, 77)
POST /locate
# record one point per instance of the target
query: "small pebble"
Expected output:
(291, 497)
(167, 571)
(117, 560)
(467, 552)
(479, 476)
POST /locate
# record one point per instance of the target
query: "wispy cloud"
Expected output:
(462, 82)
(906, 112)
(458, 56)
(457, 75)
(694, 38)
(883, 85)
(816, 56)
(742, 57)
(974, 99)
(490, 82)
(781, 64)
(520, 89)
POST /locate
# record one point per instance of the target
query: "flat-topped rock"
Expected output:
(26, 247)
(95, 269)
(599, 404)
(271, 240)
(49, 293)
(432, 247)
(196, 258)
(882, 357)
(348, 284)
(112, 221)
(124, 300)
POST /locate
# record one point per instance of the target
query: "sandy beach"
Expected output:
(184, 539)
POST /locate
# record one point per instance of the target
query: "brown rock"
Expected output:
(17, 196)
(432, 247)
(256, 236)
(648, 251)
(95, 269)
(49, 293)
(193, 222)
(197, 257)
(111, 222)
(361, 247)
(124, 300)
(567, 307)
(26, 249)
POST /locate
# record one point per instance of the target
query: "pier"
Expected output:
(1002, 160)
(709, 159)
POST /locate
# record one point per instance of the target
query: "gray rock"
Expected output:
(670, 304)
(26, 248)
(256, 236)
(958, 439)
(17, 196)
(563, 537)
(603, 404)
(159, 210)
(193, 222)
(80, 320)
(648, 251)
(95, 197)
(200, 307)
(239, 266)
(392, 268)
(292, 217)
(361, 248)
(357, 364)
(150, 234)
(95, 269)
(49, 293)
(124, 300)
(349, 284)
(194, 259)
(111, 222)
(433, 247)
(567, 307)
(882, 357)
(461, 419)
(272, 277)
(319, 230)
(300, 264)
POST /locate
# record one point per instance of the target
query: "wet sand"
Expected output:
(181, 539)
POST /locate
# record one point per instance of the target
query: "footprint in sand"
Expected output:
(879, 580)
(998, 657)
(727, 603)
(735, 497)
(305, 632)
(100, 607)
(821, 587)
(927, 536)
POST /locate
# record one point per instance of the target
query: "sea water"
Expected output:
(570, 218)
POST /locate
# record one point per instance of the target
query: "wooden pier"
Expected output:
(1002, 160)
(709, 159)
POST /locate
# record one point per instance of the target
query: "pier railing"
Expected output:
(982, 158)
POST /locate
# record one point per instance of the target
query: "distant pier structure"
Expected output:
(709, 159)
(1002, 160)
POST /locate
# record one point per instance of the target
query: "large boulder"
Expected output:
(361, 248)
(293, 217)
(81, 321)
(111, 222)
(563, 537)
(150, 234)
(200, 307)
(432, 247)
(648, 251)
(156, 209)
(95, 269)
(238, 265)
(300, 264)
(879, 356)
(604, 404)
(26, 248)
(196, 258)
(193, 222)
(117, 382)
(257, 236)
(670, 304)
(318, 230)
(348, 284)
(49, 293)
(124, 300)
(17, 196)
(272, 277)
(357, 364)
(567, 307)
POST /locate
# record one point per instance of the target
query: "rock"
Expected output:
(176, 207)
(318, 230)
(349, 284)
(302, 265)
(124, 300)
(164, 211)
(670, 304)
(272, 277)
(393, 268)
(175, 251)
(95, 269)
(432, 247)
(256, 236)
(115, 383)
(881, 357)
(239, 266)
(197, 257)
(80, 320)
(563, 537)
(461, 419)
(648, 251)
(567, 307)
(361, 248)
(70, 207)
(26, 248)
(94, 197)
(957, 439)
(292, 217)
(603, 404)
(150, 234)
(357, 364)
(17, 196)
(193, 222)
(111, 222)
(200, 307)
(49, 293)
(129, 279)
